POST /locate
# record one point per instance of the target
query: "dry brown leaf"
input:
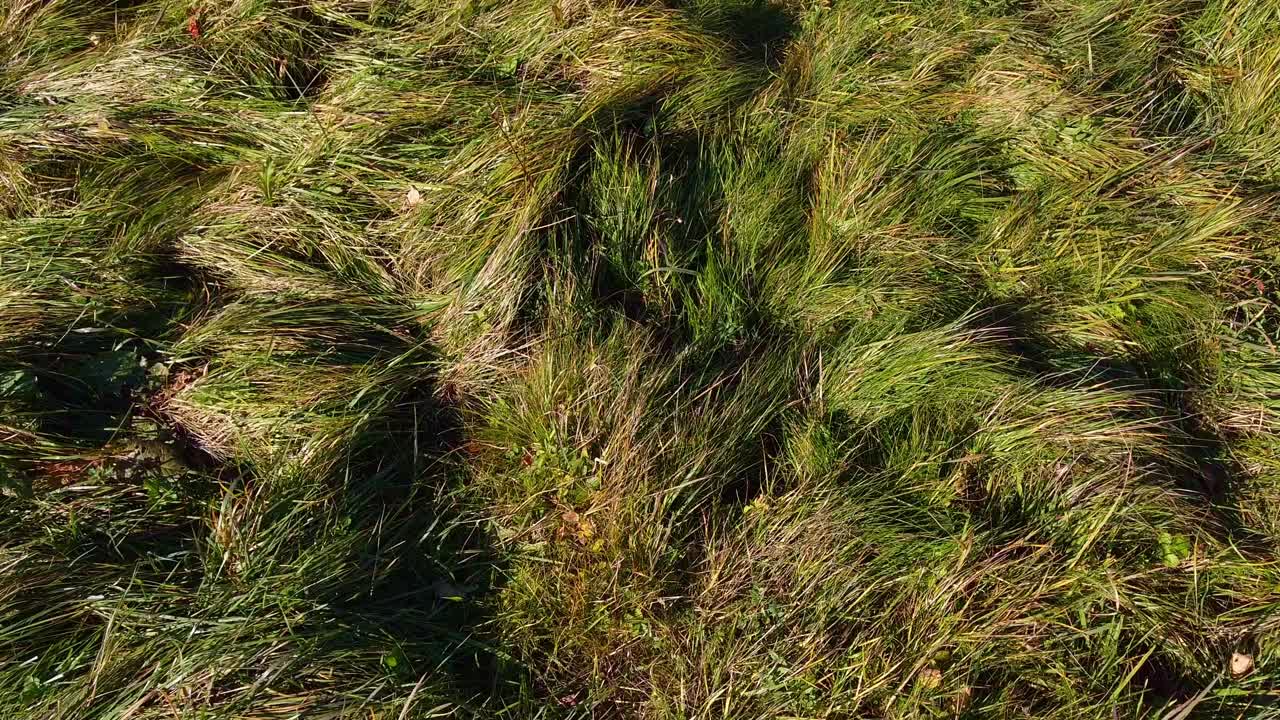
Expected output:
(1241, 664)
(930, 678)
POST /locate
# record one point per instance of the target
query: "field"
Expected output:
(639, 359)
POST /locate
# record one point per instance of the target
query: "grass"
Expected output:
(652, 359)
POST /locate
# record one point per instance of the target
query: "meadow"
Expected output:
(639, 359)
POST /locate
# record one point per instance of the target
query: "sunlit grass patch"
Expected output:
(639, 359)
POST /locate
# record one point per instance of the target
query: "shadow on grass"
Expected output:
(758, 30)
(427, 564)
(1197, 461)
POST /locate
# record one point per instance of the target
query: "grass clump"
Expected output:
(651, 359)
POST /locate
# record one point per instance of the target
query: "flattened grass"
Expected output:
(654, 359)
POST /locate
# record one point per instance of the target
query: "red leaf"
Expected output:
(193, 27)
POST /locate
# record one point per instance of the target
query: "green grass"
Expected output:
(639, 359)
